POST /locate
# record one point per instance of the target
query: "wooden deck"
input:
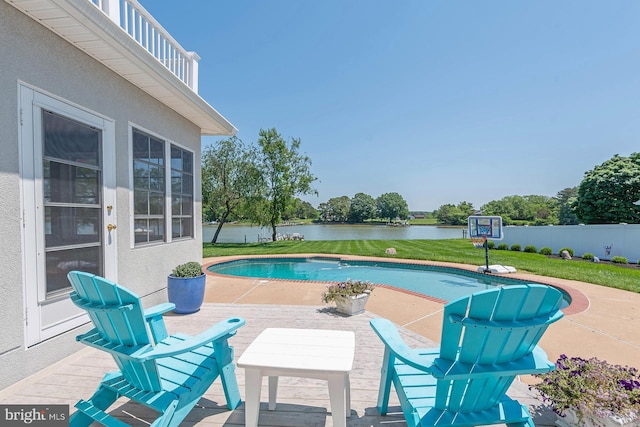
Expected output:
(301, 402)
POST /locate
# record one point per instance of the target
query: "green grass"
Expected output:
(452, 250)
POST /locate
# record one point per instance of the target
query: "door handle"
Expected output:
(111, 227)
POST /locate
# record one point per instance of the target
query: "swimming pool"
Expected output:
(443, 283)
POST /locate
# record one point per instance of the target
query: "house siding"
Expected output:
(33, 55)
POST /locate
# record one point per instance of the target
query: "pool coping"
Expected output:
(579, 301)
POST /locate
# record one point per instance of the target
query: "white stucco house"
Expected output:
(100, 133)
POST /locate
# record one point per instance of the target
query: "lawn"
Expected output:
(454, 250)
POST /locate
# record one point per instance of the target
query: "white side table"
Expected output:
(308, 353)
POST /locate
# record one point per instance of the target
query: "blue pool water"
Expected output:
(443, 283)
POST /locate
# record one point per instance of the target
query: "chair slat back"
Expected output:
(490, 328)
(118, 317)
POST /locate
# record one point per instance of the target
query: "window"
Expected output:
(151, 193)
(181, 193)
(148, 188)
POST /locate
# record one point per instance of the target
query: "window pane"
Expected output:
(140, 175)
(156, 178)
(187, 162)
(176, 205)
(187, 226)
(157, 152)
(181, 227)
(141, 203)
(140, 146)
(176, 158)
(156, 204)
(156, 229)
(176, 182)
(187, 185)
(141, 230)
(68, 140)
(187, 206)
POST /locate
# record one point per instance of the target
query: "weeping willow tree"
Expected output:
(285, 173)
(231, 180)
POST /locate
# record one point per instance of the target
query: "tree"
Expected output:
(229, 180)
(392, 206)
(531, 209)
(340, 208)
(363, 207)
(303, 210)
(566, 198)
(335, 209)
(608, 192)
(450, 214)
(285, 172)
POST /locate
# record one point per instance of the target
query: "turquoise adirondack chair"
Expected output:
(488, 338)
(166, 373)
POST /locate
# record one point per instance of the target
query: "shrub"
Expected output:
(566, 249)
(546, 251)
(591, 386)
(502, 247)
(188, 269)
(491, 244)
(588, 256)
(346, 289)
(515, 247)
(619, 260)
(531, 249)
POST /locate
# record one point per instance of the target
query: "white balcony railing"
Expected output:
(143, 28)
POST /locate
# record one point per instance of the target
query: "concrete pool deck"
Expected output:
(601, 322)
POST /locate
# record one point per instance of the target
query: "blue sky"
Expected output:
(439, 101)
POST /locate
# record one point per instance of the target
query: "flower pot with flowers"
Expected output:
(592, 392)
(350, 296)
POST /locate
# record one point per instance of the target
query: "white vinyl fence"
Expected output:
(604, 240)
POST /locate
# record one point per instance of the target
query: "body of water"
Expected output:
(231, 233)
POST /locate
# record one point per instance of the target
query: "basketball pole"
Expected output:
(486, 255)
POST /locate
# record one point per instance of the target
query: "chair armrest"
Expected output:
(154, 319)
(216, 332)
(421, 359)
(158, 310)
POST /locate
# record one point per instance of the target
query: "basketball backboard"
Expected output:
(485, 226)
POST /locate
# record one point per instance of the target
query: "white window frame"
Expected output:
(167, 199)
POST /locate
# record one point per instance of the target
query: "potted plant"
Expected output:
(591, 392)
(185, 286)
(350, 296)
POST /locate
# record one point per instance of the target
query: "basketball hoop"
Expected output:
(478, 242)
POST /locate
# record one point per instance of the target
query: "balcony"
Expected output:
(124, 37)
(144, 29)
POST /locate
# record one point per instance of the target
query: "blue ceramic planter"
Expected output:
(187, 293)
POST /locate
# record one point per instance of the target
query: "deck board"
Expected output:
(301, 402)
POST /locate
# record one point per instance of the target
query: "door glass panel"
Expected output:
(68, 140)
(61, 262)
(71, 226)
(72, 184)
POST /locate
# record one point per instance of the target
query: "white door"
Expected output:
(67, 164)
